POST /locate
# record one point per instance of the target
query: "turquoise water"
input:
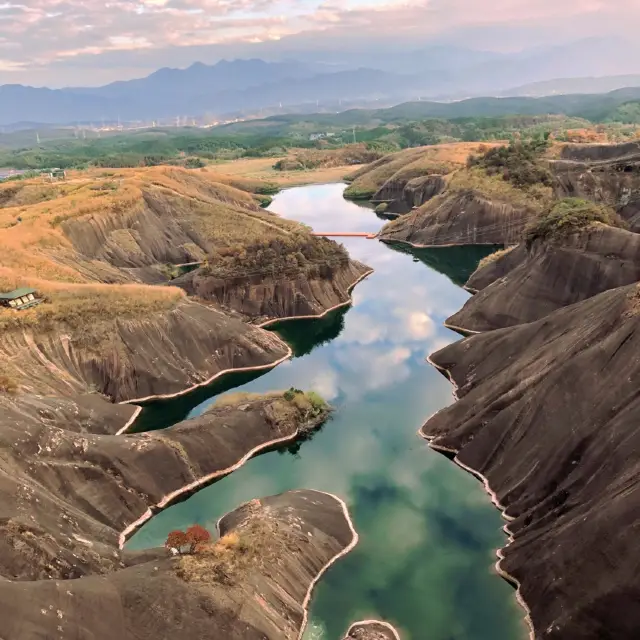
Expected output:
(428, 531)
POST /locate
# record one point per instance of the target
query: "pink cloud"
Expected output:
(37, 33)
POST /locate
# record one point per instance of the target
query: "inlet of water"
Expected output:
(428, 531)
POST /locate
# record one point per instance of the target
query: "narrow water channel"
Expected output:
(428, 531)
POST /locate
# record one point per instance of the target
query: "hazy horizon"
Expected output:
(59, 43)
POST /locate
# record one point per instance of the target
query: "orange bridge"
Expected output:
(345, 234)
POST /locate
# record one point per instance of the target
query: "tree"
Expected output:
(196, 536)
(176, 540)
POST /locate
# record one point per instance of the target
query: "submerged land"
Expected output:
(156, 280)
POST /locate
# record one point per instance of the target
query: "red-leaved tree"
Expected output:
(197, 536)
(176, 540)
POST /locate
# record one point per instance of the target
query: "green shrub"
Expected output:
(194, 163)
(570, 215)
(382, 207)
(288, 255)
(518, 163)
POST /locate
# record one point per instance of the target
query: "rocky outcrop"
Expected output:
(71, 493)
(161, 227)
(530, 282)
(608, 174)
(263, 298)
(547, 416)
(371, 630)
(402, 195)
(253, 585)
(457, 218)
(104, 485)
(164, 353)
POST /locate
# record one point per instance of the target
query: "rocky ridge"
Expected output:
(72, 491)
(546, 416)
(530, 281)
(264, 298)
(608, 174)
(164, 353)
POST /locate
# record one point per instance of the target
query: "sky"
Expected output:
(90, 42)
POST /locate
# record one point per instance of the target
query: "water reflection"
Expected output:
(428, 530)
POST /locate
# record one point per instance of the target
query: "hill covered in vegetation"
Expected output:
(406, 125)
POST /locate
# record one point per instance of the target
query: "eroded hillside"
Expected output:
(408, 178)
(96, 246)
(490, 200)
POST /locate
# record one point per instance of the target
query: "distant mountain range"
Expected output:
(613, 106)
(241, 85)
(248, 86)
(563, 86)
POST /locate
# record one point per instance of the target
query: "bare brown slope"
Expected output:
(69, 495)
(261, 298)
(548, 414)
(258, 593)
(125, 358)
(401, 195)
(528, 283)
(459, 217)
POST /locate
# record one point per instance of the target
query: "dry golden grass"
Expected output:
(257, 543)
(491, 258)
(412, 163)
(251, 173)
(32, 232)
(35, 251)
(536, 198)
(83, 307)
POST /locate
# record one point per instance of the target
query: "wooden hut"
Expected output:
(23, 298)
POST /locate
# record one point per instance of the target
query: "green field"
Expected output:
(407, 125)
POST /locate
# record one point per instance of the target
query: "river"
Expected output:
(428, 532)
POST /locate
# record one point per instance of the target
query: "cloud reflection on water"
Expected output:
(427, 529)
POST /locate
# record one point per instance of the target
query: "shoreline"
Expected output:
(386, 625)
(272, 365)
(350, 288)
(432, 441)
(206, 479)
(437, 246)
(461, 330)
(354, 541)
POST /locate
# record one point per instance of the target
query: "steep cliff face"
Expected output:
(124, 359)
(401, 195)
(528, 283)
(459, 217)
(262, 298)
(548, 414)
(609, 174)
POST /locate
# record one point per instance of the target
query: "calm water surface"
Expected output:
(428, 532)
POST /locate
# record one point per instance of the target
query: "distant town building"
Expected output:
(23, 298)
(54, 174)
(6, 174)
